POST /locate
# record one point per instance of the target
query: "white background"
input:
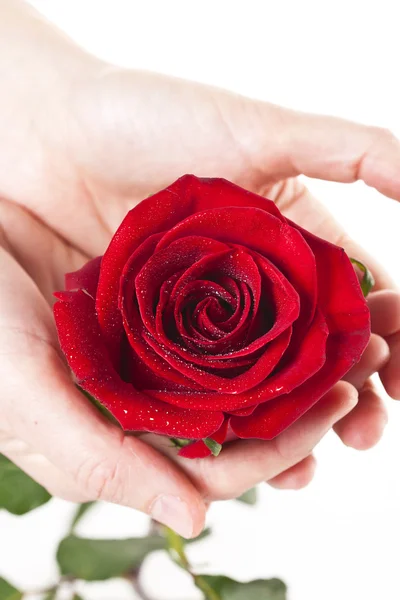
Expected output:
(338, 539)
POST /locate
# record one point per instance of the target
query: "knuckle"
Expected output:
(99, 478)
(343, 239)
(382, 139)
(384, 135)
(289, 450)
(302, 481)
(307, 473)
(215, 484)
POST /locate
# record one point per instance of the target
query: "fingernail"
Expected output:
(174, 513)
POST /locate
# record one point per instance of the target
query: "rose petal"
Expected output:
(236, 263)
(206, 315)
(235, 385)
(339, 292)
(244, 412)
(271, 418)
(348, 318)
(164, 264)
(133, 265)
(147, 283)
(151, 216)
(82, 343)
(308, 360)
(238, 292)
(86, 278)
(235, 329)
(142, 367)
(199, 449)
(208, 193)
(228, 263)
(257, 230)
(159, 213)
(202, 292)
(134, 331)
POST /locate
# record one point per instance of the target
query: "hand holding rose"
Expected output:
(79, 148)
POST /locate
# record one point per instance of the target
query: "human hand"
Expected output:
(94, 140)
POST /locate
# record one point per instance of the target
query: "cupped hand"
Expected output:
(91, 142)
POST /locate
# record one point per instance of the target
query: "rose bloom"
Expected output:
(210, 311)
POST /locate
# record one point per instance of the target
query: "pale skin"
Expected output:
(81, 143)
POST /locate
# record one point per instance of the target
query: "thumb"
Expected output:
(292, 143)
(41, 407)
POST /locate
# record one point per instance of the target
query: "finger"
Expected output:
(385, 312)
(41, 406)
(375, 356)
(244, 463)
(363, 427)
(385, 321)
(43, 471)
(390, 374)
(338, 150)
(102, 462)
(296, 477)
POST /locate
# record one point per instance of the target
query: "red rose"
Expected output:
(210, 309)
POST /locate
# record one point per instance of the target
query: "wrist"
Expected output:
(34, 53)
(40, 67)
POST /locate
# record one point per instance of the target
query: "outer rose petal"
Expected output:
(199, 449)
(82, 343)
(153, 215)
(87, 278)
(348, 319)
(210, 193)
(344, 306)
(271, 418)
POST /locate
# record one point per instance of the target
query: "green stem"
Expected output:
(209, 593)
(179, 442)
(176, 549)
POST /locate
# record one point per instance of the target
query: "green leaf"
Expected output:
(213, 446)
(180, 442)
(260, 589)
(368, 281)
(81, 510)
(76, 597)
(8, 591)
(96, 560)
(18, 492)
(51, 595)
(249, 497)
(104, 411)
